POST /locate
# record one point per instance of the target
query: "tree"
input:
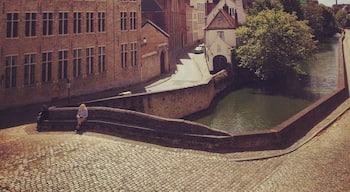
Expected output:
(273, 43)
(322, 20)
(342, 18)
(261, 5)
(330, 26)
(291, 6)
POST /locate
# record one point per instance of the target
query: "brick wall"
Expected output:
(154, 51)
(114, 75)
(173, 104)
(176, 103)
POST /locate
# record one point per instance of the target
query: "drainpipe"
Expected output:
(113, 31)
(236, 17)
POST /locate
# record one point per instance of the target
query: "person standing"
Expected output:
(82, 115)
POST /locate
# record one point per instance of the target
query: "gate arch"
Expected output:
(219, 63)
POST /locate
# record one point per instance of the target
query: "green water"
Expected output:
(250, 109)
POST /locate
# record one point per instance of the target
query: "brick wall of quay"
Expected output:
(175, 103)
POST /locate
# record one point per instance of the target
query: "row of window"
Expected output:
(124, 19)
(124, 54)
(31, 21)
(30, 63)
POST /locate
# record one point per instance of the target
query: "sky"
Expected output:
(331, 2)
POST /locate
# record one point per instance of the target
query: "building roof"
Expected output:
(156, 27)
(222, 20)
(150, 6)
(209, 8)
(337, 7)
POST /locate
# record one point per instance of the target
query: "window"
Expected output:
(76, 62)
(29, 69)
(133, 54)
(63, 23)
(101, 59)
(89, 22)
(101, 21)
(123, 21)
(124, 55)
(89, 61)
(133, 20)
(47, 24)
(12, 25)
(221, 34)
(30, 25)
(46, 67)
(10, 71)
(62, 65)
(77, 23)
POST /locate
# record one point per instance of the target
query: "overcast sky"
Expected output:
(331, 2)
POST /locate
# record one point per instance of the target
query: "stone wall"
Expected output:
(175, 103)
(104, 115)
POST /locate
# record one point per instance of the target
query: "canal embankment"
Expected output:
(179, 102)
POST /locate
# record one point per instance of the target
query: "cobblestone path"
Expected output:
(64, 161)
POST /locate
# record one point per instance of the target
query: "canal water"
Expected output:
(260, 108)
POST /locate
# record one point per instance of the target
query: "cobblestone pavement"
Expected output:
(64, 161)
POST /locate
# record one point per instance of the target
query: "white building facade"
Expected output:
(220, 40)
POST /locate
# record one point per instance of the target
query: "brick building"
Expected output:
(154, 50)
(174, 24)
(54, 49)
(195, 22)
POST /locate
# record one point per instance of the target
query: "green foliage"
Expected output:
(330, 26)
(293, 6)
(273, 43)
(322, 20)
(342, 18)
(261, 5)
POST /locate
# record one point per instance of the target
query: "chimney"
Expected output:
(225, 8)
(236, 17)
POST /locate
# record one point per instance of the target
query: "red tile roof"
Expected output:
(222, 20)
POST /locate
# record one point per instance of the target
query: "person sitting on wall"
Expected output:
(82, 115)
(43, 114)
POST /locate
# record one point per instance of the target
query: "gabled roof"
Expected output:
(222, 20)
(156, 27)
(150, 6)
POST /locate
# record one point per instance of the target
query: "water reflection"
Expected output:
(258, 108)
